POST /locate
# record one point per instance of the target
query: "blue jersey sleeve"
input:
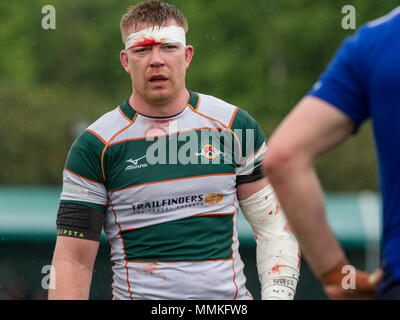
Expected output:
(343, 84)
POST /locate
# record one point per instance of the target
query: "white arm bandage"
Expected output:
(278, 254)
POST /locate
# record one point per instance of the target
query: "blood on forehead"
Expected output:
(156, 35)
(146, 42)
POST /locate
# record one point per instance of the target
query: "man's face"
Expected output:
(157, 71)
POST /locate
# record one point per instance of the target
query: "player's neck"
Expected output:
(162, 109)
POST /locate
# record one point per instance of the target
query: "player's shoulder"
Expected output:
(376, 31)
(371, 39)
(223, 111)
(97, 134)
(216, 108)
(111, 122)
(389, 21)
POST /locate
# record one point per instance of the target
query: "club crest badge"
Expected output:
(210, 152)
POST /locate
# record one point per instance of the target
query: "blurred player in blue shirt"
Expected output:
(361, 82)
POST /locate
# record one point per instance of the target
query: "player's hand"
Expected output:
(354, 285)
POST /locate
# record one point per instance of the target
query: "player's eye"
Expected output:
(170, 46)
(140, 49)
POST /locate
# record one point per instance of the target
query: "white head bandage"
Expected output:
(156, 35)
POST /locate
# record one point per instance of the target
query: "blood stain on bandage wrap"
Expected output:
(299, 255)
(276, 211)
(277, 248)
(146, 43)
(156, 35)
(276, 269)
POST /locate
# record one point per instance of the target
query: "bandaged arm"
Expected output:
(278, 254)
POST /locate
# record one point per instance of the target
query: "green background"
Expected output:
(260, 55)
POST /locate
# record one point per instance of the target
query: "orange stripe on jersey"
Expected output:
(244, 160)
(233, 240)
(233, 117)
(174, 261)
(123, 114)
(240, 258)
(227, 128)
(164, 135)
(81, 176)
(108, 143)
(123, 250)
(198, 102)
(97, 135)
(176, 179)
(214, 214)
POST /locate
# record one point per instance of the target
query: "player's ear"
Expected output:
(189, 51)
(124, 60)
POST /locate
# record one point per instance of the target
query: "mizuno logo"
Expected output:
(135, 164)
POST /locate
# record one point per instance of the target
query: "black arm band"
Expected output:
(79, 221)
(254, 176)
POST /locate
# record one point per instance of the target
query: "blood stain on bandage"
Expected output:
(299, 255)
(276, 269)
(146, 43)
(276, 211)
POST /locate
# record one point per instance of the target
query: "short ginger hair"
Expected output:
(154, 12)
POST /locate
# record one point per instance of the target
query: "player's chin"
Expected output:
(159, 96)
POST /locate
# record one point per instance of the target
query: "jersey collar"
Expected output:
(129, 112)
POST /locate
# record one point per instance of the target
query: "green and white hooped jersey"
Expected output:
(171, 222)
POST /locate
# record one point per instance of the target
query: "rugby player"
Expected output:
(172, 224)
(361, 82)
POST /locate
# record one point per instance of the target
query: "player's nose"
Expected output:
(156, 59)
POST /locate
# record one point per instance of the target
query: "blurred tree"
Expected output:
(260, 55)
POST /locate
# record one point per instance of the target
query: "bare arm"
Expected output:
(247, 189)
(311, 129)
(73, 263)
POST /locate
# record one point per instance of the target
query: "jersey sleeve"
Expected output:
(343, 84)
(252, 144)
(82, 177)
